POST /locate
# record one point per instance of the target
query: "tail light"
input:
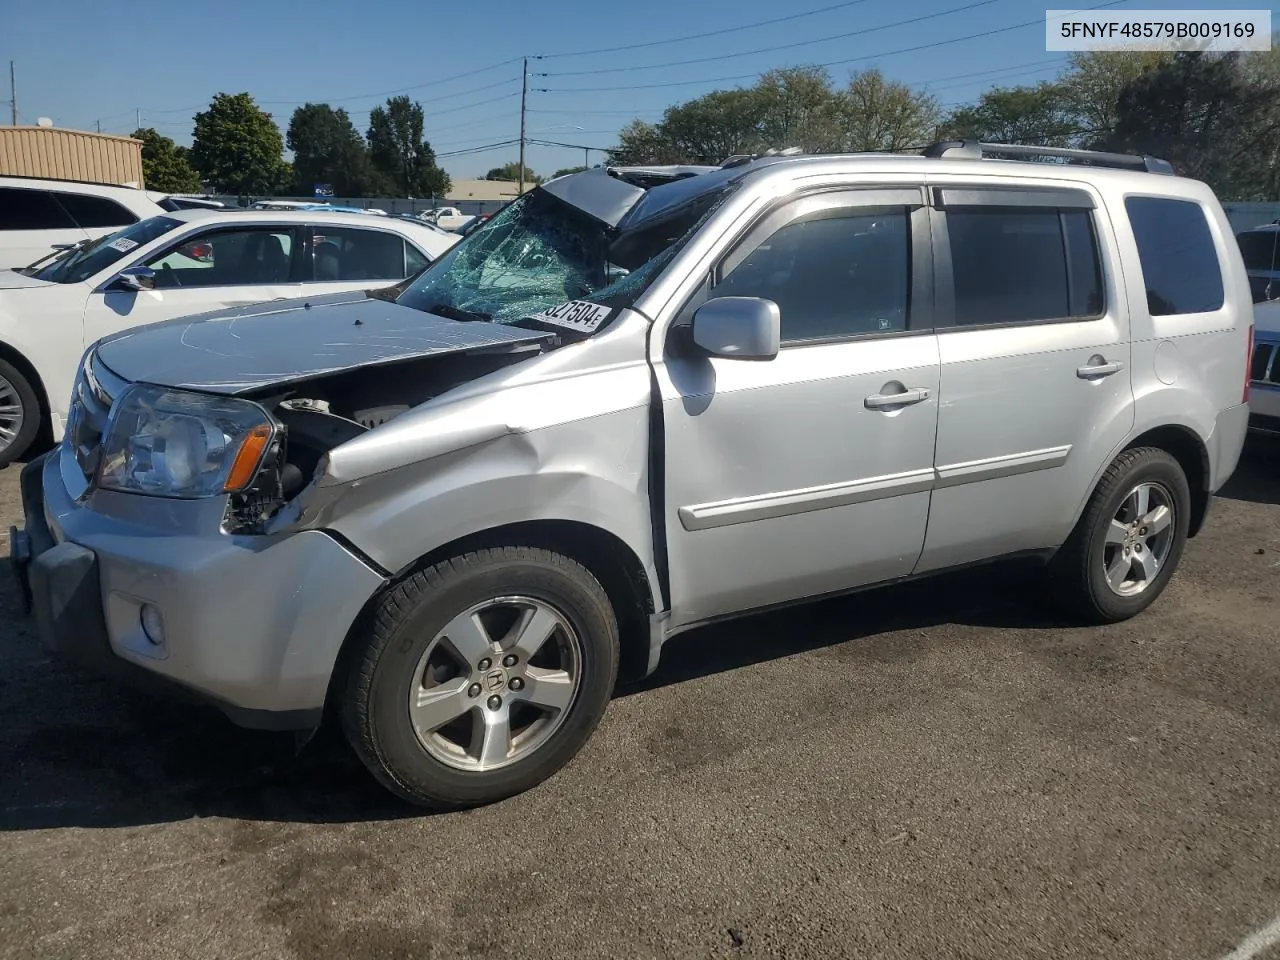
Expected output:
(1248, 365)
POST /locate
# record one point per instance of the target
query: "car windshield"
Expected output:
(81, 263)
(1261, 249)
(540, 252)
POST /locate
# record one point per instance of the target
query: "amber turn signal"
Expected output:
(248, 458)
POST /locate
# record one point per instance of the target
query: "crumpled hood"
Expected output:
(12, 280)
(244, 349)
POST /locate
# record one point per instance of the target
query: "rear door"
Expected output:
(226, 266)
(1036, 388)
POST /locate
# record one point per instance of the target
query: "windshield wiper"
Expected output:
(457, 313)
(59, 250)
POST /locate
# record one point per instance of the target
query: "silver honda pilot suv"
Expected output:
(453, 512)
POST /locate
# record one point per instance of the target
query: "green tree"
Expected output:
(1035, 115)
(563, 172)
(716, 126)
(1090, 90)
(399, 152)
(165, 165)
(327, 148)
(878, 114)
(1207, 116)
(798, 108)
(642, 143)
(511, 171)
(238, 147)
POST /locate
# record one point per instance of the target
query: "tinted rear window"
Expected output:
(1179, 262)
(91, 212)
(1020, 265)
(1260, 249)
(22, 209)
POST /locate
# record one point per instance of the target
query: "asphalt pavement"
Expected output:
(943, 770)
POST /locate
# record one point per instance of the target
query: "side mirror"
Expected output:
(136, 278)
(738, 328)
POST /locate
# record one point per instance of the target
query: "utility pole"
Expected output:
(98, 124)
(137, 118)
(524, 96)
(13, 95)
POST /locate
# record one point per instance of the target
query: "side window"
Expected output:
(226, 258)
(1022, 264)
(1179, 262)
(834, 274)
(91, 212)
(22, 209)
(414, 259)
(349, 253)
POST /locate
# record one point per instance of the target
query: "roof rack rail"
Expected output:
(976, 150)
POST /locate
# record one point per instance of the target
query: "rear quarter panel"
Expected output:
(1187, 368)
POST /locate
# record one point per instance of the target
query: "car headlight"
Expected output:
(171, 443)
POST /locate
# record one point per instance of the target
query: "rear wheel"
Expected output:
(19, 413)
(482, 676)
(1124, 549)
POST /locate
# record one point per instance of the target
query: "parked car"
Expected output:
(454, 511)
(36, 216)
(167, 266)
(1264, 374)
(448, 218)
(1261, 250)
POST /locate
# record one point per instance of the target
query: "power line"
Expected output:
(416, 86)
(832, 63)
(700, 36)
(782, 46)
(483, 149)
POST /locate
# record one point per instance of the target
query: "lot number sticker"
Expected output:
(580, 315)
(124, 244)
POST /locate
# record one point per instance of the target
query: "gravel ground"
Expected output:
(938, 770)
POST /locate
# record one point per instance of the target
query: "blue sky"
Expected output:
(102, 62)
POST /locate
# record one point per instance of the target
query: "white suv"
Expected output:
(38, 215)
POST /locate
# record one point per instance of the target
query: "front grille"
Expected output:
(1265, 367)
(90, 411)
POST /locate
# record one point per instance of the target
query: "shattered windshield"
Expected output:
(540, 252)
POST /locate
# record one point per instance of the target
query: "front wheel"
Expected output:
(481, 676)
(19, 413)
(1124, 549)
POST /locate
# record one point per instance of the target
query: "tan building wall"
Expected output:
(70, 155)
(485, 189)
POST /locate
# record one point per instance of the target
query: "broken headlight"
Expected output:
(172, 443)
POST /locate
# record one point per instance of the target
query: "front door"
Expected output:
(803, 475)
(1036, 388)
(202, 271)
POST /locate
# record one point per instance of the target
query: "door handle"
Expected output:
(1096, 370)
(879, 401)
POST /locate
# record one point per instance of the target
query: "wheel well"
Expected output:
(23, 365)
(612, 562)
(1185, 447)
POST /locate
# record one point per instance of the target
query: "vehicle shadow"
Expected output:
(79, 752)
(1257, 478)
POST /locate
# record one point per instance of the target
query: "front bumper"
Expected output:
(253, 624)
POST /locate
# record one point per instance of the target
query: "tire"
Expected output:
(16, 390)
(407, 652)
(1079, 571)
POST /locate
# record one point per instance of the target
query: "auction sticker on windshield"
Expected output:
(580, 315)
(124, 244)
